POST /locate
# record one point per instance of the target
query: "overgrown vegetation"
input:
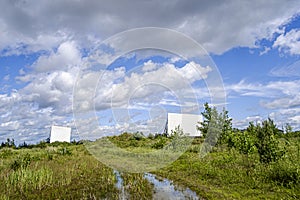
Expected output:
(261, 138)
(260, 162)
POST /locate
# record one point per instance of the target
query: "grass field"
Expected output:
(69, 171)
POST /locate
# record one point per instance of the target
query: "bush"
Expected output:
(267, 144)
(64, 151)
(285, 174)
(151, 136)
(5, 153)
(138, 136)
(245, 142)
(21, 162)
(41, 144)
(159, 144)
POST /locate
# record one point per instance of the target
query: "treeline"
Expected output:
(262, 138)
(10, 143)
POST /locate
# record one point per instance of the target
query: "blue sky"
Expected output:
(48, 48)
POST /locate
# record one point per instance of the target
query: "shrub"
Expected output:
(159, 144)
(179, 140)
(5, 153)
(138, 136)
(285, 174)
(41, 144)
(266, 143)
(151, 136)
(64, 151)
(215, 126)
(245, 142)
(21, 162)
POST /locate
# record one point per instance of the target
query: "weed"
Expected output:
(26, 179)
(64, 151)
(6, 153)
(159, 144)
(137, 186)
(21, 162)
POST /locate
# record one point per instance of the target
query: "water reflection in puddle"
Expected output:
(164, 189)
(123, 195)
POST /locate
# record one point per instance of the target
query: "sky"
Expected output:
(64, 63)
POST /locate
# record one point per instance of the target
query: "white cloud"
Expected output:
(50, 90)
(149, 66)
(244, 123)
(273, 89)
(281, 98)
(289, 42)
(30, 26)
(296, 119)
(153, 83)
(287, 115)
(66, 55)
(286, 102)
(193, 71)
(143, 88)
(10, 126)
(25, 121)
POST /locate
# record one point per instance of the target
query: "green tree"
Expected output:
(226, 123)
(215, 126)
(207, 115)
(245, 142)
(288, 129)
(266, 142)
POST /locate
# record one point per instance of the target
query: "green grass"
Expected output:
(69, 171)
(227, 174)
(137, 186)
(54, 174)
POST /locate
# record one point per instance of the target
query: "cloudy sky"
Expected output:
(54, 63)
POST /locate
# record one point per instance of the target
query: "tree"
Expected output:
(266, 143)
(9, 143)
(245, 142)
(209, 115)
(226, 123)
(288, 128)
(215, 126)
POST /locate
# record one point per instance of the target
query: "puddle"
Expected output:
(164, 189)
(123, 195)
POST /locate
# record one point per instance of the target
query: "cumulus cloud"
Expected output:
(67, 55)
(296, 120)
(280, 97)
(24, 121)
(142, 88)
(244, 123)
(272, 89)
(116, 87)
(285, 102)
(30, 26)
(63, 41)
(289, 42)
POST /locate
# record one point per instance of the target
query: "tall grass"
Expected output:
(26, 179)
(69, 172)
(137, 186)
(4, 197)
